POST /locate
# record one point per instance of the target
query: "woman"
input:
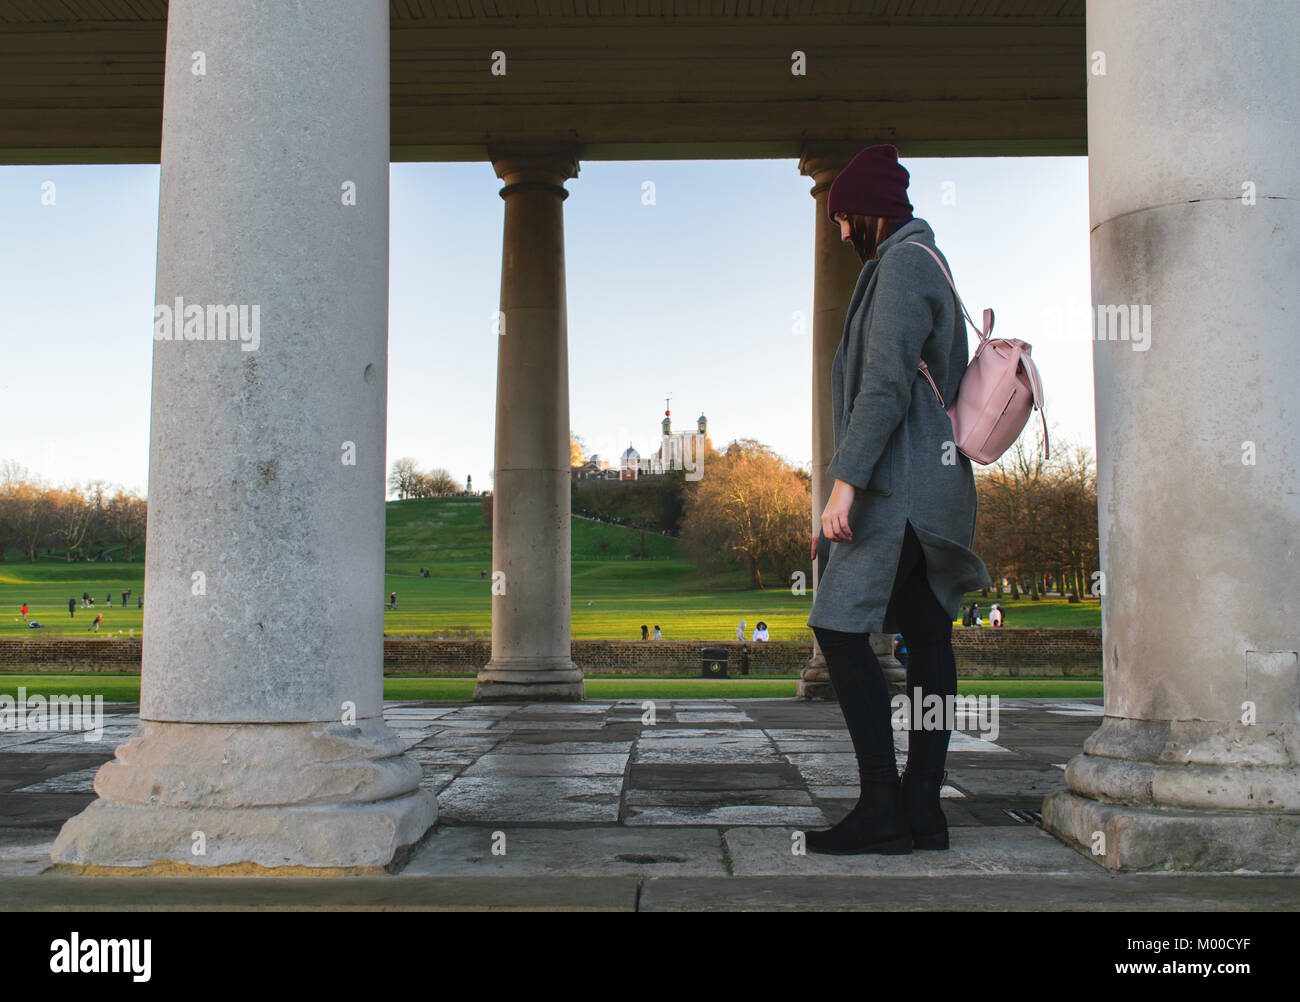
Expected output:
(898, 524)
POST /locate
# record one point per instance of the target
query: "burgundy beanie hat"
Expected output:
(873, 184)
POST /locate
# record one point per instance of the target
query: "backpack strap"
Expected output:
(983, 334)
(988, 314)
(1035, 383)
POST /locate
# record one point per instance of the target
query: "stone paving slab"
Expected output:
(850, 792)
(716, 798)
(704, 746)
(731, 814)
(997, 893)
(1152, 893)
(17, 773)
(682, 776)
(25, 852)
(712, 717)
(767, 852)
(597, 709)
(500, 764)
(514, 746)
(468, 851)
(542, 798)
(45, 811)
(711, 782)
(81, 781)
(441, 893)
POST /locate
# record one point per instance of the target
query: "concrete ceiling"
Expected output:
(81, 80)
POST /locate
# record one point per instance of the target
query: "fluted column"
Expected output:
(835, 274)
(530, 493)
(1194, 174)
(262, 742)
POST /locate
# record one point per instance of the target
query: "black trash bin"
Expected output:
(713, 662)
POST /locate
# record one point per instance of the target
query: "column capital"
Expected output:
(822, 159)
(524, 166)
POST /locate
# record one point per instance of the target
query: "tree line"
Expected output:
(408, 481)
(1037, 517)
(81, 521)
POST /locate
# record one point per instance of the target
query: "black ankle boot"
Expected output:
(878, 823)
(924, 816)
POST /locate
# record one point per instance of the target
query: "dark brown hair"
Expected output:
(869, 232)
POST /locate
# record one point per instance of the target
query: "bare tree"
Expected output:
(71, 514)
(128, 515)
(753, 507)
(399, 482)
(439, 481)
(12, 477)
(34, 508)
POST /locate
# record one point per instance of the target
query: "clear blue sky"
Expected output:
(692, 296)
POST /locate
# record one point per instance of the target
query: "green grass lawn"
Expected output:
(612, 593)
(126, 688)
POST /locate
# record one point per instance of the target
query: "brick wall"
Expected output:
(981, 652)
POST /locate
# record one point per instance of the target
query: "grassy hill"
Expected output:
(613, 594)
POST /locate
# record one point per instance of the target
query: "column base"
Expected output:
(530, 682)
(815, 680)
(251, 798)
(1136, 839)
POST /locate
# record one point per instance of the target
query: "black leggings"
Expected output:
(931, 667)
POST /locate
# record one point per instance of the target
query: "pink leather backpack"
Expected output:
(998, 391)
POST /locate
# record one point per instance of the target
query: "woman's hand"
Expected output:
(835, 517)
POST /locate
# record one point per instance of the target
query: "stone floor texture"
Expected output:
(679, 804)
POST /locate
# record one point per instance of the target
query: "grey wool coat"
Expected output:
(890, 433)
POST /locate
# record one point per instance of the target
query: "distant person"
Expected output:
(139, 601)
(24, 612)
(658, 635)
(740, 631)
(900, 650)
(995, 615)
(94, 624)
(85, 600)
(125, 595)
(760, 632)
(91, 600)
(33, 625)
(975, 618)
(109, 600)
(645, 632)
(72, 607)
(392, 600)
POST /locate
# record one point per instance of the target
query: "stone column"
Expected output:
(530, 493)
(262, 741)
(835, 274)
(1194, 173)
